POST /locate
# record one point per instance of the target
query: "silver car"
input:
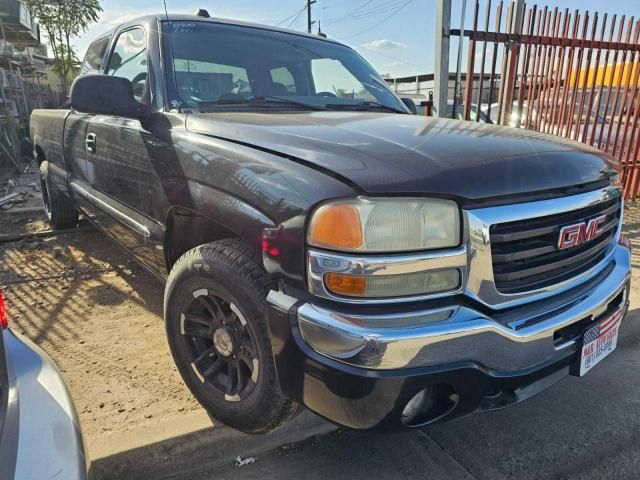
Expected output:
(40, 434)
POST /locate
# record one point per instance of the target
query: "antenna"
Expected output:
(166, 13)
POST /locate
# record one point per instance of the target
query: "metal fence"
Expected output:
(569, 73)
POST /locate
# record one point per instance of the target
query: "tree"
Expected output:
(63, 20)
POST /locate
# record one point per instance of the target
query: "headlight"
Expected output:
(385, 225)
(362, 227)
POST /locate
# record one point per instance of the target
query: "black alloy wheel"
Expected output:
(216, 317)
(222, 346)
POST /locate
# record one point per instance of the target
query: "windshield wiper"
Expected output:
(261, 100)
(364, 106)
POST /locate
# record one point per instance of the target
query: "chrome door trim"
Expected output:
(109, 209)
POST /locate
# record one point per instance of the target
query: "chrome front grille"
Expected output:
(526, 256)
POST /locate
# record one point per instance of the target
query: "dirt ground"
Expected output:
(98, 315)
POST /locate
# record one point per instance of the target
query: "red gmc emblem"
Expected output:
(574, 235)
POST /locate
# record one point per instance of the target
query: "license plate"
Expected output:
(599, 341)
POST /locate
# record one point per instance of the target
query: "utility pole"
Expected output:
(309, 22)
(441, 67)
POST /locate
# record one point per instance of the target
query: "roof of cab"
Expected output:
(225, 21)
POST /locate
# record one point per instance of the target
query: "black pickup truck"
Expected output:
(323, 246)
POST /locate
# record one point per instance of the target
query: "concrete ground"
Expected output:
(99, 316)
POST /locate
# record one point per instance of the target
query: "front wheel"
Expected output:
(216, 321)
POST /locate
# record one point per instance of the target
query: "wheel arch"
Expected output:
(187, 228)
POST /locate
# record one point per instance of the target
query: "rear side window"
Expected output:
(129, 60)
(94, 57)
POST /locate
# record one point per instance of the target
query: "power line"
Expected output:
(292, 22)
(361, 13)
(297, 12)
(367, 2)
(382, 21)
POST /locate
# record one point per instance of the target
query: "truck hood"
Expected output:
(407, 154)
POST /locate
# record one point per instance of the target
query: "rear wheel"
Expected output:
(215, 314)
(58, 208)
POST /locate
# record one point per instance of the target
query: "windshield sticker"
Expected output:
(182, 27)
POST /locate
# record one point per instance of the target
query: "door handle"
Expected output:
(90, 142)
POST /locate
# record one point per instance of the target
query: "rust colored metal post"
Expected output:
(503, 72)
(565, 90)
(631, 179)
(512, 52)
(553, 67)
(471, 56)
(592, 88)
(542, 119)
(632, 107)
(559, 78)
(568, 133)
(625, 95)
(616, 98)
(533, 77)
(494, 59)
(585, 78)
(483, 60)
(611, 82)
(631, 192)
(534, 101)
(522, 89)
(592, 92)
(598, 105)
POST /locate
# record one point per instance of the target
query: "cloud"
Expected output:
(383, 44)
(393, 65)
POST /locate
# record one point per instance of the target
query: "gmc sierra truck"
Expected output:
(323, 246)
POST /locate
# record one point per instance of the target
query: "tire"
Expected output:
(215, 312)
(60, 212)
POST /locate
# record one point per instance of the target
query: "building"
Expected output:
(420, 86)
(23, 73)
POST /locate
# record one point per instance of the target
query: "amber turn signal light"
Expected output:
(349, 285)
(336, 227)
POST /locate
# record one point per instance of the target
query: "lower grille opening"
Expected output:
(575, 330)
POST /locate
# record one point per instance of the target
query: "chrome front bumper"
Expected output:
(516, 340)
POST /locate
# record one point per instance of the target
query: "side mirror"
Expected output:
(106, 95)
(410, 105)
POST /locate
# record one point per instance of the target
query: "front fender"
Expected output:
(242, 191)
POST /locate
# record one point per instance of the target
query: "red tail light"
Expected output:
(4, 318)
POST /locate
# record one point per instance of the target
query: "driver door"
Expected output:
(117, 159)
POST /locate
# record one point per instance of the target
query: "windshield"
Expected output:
(212, 66)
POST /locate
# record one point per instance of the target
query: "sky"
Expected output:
(395, 36)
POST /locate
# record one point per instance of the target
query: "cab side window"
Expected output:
(94, 57)
(283, 80)
(129, 60)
